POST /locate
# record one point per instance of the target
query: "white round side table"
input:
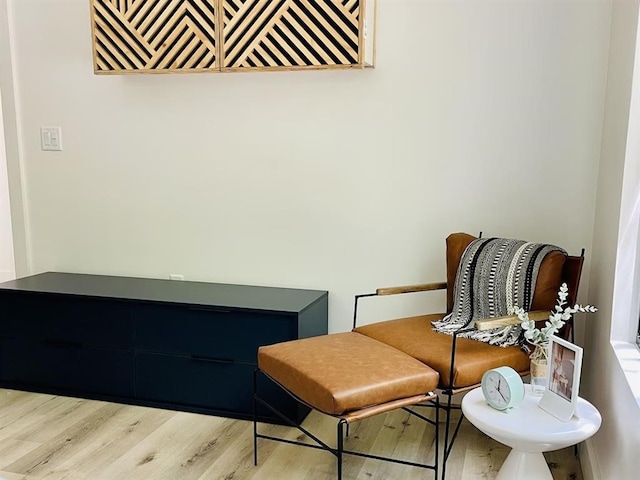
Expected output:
(529, 431)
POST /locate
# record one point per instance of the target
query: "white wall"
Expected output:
(7, 265)
(11, 159)
(614, 450)
(7, 262)
(480, 116)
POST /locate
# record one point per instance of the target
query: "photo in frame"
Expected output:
(563, 379)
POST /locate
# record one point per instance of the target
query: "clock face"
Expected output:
(497, 391)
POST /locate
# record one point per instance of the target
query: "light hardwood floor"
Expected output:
(55, 438)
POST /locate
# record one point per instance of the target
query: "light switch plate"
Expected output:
(51, 138)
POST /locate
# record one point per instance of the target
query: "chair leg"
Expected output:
(449, 442)
(340, 443)
(255, 418)
(437, 439)
(445, 455)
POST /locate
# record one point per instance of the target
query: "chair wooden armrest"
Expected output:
(489, 323)
(423, 287)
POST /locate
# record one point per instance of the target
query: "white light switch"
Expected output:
(50, 138)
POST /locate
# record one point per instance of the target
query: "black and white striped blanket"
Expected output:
(494, 275)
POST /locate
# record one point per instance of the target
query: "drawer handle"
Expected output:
(198, 358)
(62, 344)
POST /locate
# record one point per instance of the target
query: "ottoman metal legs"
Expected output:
(349, 377)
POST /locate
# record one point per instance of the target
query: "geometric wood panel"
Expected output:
(227, 35)
(154, 35)
(290, 33)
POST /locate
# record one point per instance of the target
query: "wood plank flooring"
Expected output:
(63, 438)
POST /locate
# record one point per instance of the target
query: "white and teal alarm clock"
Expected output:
(502, 388)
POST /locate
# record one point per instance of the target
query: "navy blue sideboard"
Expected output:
(170, 344)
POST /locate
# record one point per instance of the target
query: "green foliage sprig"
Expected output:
(557, 318)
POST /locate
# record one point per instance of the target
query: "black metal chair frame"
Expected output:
(339, 451)
(448, 407)
(567, 331)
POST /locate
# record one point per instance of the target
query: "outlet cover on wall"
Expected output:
(176, 276)
(51, 138)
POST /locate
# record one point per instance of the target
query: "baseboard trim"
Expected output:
(589, 461)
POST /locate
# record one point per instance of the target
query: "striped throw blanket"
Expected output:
(494, 275)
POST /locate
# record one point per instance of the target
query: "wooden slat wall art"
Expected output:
(291, 33)
(156, 36)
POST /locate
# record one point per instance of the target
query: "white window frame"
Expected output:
(625, 321)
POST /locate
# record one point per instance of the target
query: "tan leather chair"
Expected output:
(461, 362)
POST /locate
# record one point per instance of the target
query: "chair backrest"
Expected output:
(556, 268)
(571, 273)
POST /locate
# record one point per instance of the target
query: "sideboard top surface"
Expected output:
(202, 294)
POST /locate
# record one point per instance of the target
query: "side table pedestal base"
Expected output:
(524, 466)
(529, 431)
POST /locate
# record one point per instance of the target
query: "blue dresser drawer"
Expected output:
(219, 334)
(88, 321)
(207, 383)
(66, 366)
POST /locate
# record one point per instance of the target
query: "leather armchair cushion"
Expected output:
(415, 337)
(345, 372)
(547, 283)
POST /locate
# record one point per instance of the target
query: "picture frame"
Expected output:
(563, 373)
